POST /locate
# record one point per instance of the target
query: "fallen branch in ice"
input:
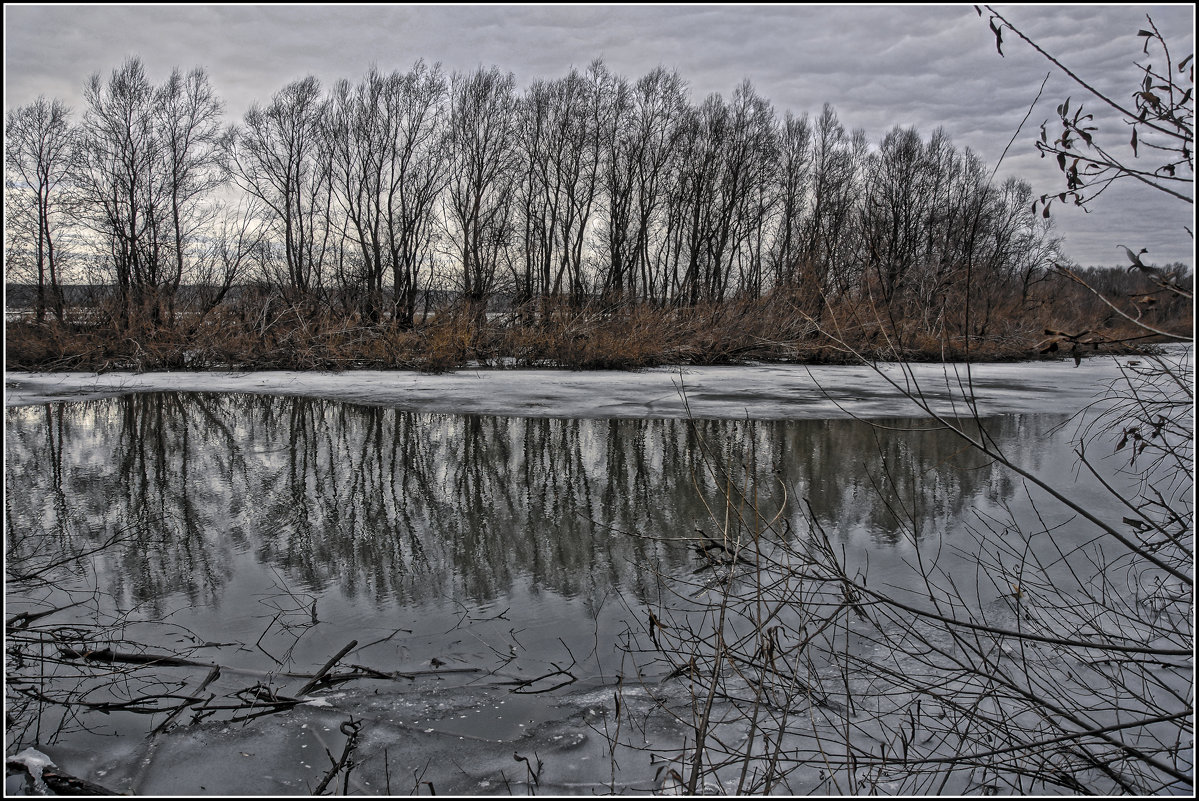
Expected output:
(212, 676)
(109, 655)
(320, 674)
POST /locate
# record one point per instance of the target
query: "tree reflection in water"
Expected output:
(395, 506)
(197, 521)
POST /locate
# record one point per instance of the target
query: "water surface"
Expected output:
(502, 565)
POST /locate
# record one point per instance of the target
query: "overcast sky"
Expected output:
(923, 66)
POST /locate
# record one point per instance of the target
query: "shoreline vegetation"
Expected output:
(427, 221)
(263, 329)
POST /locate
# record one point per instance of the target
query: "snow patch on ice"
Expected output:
(34, 762)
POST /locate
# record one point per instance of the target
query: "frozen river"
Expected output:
(490, 542)
(767, 392)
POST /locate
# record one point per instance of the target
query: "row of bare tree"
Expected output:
(582, 186)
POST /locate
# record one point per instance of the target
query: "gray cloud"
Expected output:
(924, 66)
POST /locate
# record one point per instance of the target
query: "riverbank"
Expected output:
(577, 338)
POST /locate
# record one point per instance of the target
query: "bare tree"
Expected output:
(483, 147)
(793, 177)
(419, 174)
(188, 119)
(148, 165)
(357, 139)
(560, 162)
(694, 198)
(896, 210)
(585, 184)
(234, 239)
(639, 136)
(836, 158)
(388, 166)
(121, 188)
(746, 191)
(38, 160)
(617, 181)
(275, 157)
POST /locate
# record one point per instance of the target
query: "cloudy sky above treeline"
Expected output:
(906, 65)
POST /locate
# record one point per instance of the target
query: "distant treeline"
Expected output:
(349, 206)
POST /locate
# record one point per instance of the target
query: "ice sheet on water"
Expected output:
(276, 755)
(458, 740)
(761, 392)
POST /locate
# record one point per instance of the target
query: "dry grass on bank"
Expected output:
(543, 334)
